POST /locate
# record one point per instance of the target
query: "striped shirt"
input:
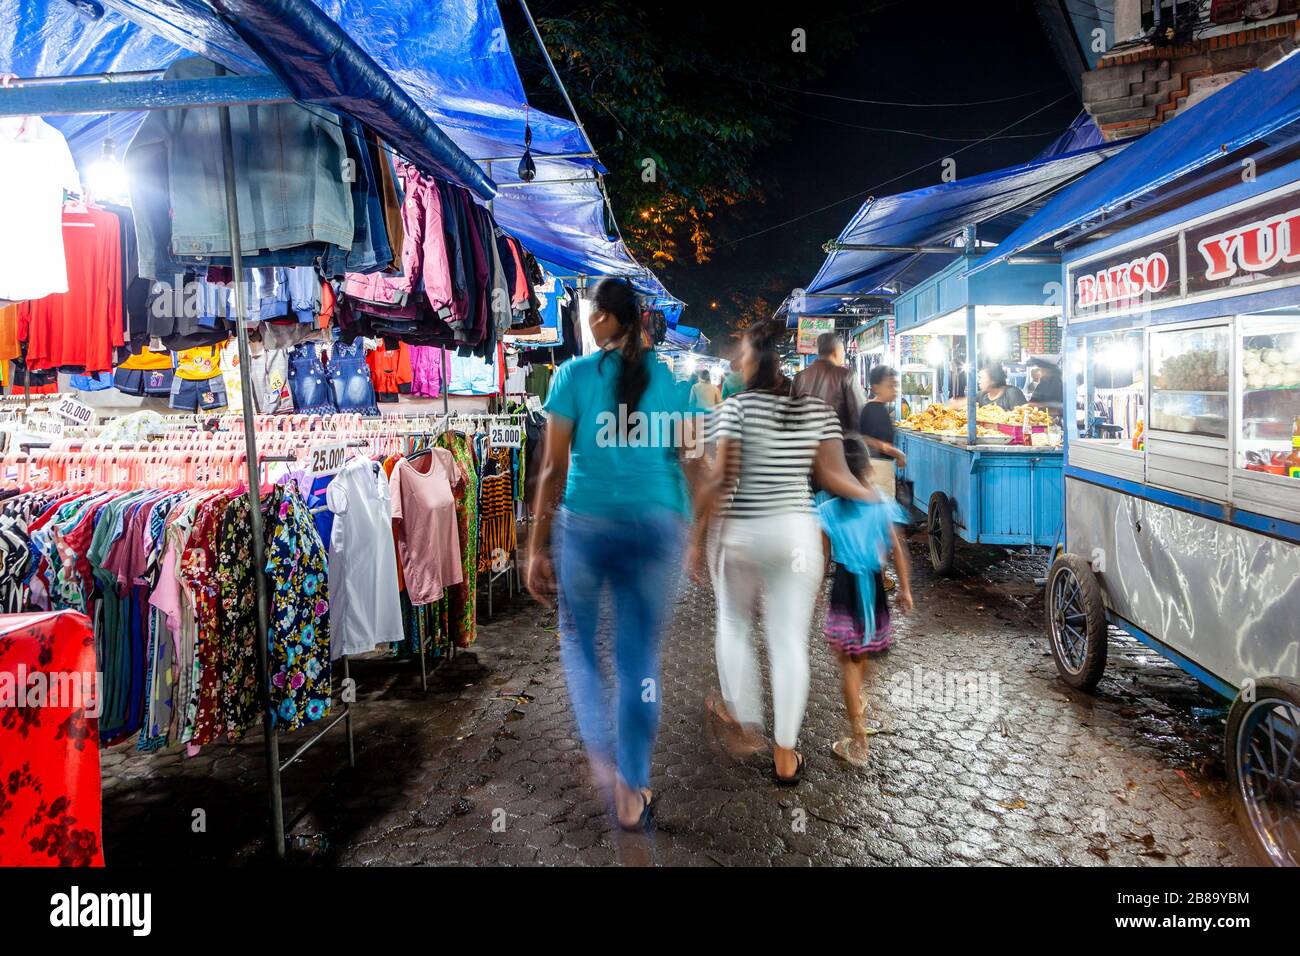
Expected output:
(777, 438)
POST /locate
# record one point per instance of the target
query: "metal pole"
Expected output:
(272, 741)
(972, 353)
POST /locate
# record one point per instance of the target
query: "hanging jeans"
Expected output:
(310, 388)
(638, 558)
(350, 379)
(782, 556)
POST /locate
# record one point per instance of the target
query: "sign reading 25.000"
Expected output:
(505, 436)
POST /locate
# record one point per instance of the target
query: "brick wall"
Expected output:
(1138, 86)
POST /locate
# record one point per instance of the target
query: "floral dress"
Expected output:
(198, 567)
(299, 622)
(462, 597)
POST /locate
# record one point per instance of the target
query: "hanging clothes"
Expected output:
(80, 328)
(38, 171)
(463, 597)
(365, 607)
(423, 493)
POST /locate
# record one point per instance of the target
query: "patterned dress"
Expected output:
(463, 596)
(237, 620)
(299, 624)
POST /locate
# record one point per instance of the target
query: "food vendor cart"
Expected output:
(975, 482)
(1182, 474)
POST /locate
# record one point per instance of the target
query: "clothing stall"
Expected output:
(269, 659)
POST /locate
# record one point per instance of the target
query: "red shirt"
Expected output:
(80, 327)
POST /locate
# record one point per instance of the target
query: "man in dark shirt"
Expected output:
(1048, 392)
(834, 383)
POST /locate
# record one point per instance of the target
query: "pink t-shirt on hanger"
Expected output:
(424, 515)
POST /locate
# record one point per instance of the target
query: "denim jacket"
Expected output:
(289, 168)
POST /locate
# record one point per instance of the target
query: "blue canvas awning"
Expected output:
(935, 214)
(1260, 104)
(455, 78)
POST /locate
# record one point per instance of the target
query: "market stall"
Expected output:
(979, 474)
(1182, 474)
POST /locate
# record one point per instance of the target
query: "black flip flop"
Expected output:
(643, 821)
(798, 772)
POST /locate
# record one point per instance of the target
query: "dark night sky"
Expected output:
(911, 52)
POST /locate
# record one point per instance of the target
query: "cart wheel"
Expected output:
(1262, 751)
(943, 540)
(1076, 621)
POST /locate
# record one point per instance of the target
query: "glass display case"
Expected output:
(1268, 366)
(915, 390)
(1189, 381)
(1110, 403)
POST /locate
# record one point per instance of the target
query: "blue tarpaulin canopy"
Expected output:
(936, 214)
(455, 78)
(1260, 104)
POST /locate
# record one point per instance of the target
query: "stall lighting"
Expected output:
(995, 341)
(1119, 356)
(935, 353)
(691, 362)
(106, 177)
(966, 368)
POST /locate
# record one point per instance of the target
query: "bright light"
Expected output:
(935, 353)
(966, 368)
(995, 341)
(691, 362)
(1119, 356)
(106, 178)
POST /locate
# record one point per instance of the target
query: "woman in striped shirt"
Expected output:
(756, 514)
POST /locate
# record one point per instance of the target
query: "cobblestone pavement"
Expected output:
(486, 768)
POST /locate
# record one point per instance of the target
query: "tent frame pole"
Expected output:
(270, 734)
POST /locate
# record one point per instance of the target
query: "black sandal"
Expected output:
(792, 781)
(643, 821)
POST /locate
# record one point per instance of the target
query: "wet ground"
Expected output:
(984, 757)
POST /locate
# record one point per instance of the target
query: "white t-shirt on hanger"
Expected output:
(365, 607)
(35, 168)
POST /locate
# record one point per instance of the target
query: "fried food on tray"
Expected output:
(942, 420)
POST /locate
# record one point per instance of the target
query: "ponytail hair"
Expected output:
(616, 297)
(764, 339)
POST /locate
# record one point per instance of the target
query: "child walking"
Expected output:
(859, 536)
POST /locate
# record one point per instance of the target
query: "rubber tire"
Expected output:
(1274, 688)
(1095, 625)
(943, 550)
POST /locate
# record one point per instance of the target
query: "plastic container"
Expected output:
(1020, 434)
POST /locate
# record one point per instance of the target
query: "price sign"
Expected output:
(505, 436)
(534, 403)
(328, 459)
(46, 425)
(79, 413)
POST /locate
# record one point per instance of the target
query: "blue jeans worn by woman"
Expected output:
(639, 558)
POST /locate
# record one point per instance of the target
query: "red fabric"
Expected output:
(390, 368)
(80, 327)
(49, 755)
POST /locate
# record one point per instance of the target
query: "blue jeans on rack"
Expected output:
(310, 388)
(350, 379)
(638, 557)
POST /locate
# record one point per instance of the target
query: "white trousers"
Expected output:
(781, 557)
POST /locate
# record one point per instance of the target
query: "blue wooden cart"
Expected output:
(982, 493)
(1007, 495)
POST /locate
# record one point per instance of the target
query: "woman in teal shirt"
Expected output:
(616, 434)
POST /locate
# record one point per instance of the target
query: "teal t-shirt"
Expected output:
(616, 471)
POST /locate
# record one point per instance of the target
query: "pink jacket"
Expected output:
(424, 251)
(428, 374)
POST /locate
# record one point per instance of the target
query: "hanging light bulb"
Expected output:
(527, 168)
(106, 177)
